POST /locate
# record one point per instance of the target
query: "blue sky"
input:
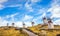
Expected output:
(18, 11)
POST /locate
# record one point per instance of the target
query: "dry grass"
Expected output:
(36, 29)
(12, 32)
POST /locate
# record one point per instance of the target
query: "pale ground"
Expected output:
(29, 33)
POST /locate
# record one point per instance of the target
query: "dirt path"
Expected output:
(29, 33)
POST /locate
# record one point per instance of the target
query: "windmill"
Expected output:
(23, 25)
(13, 24)
(32, 22)
(50, 24)
(23, 22)
(45, 20)
(7, 24)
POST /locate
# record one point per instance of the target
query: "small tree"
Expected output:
(58, 35)
(20, 29)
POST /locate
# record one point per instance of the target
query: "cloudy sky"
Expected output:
(19, 11)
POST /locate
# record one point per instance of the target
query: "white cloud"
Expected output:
(12, 16)
(16, 5)
(1, 6)
(41, 11)
(3, 22)
(55, 2)
(55, 9)
(27, 17)
(28, 24)
(2, 1)
(28, 7)
(18, 24)
(57, 22)
(33, 1)
(39, 18)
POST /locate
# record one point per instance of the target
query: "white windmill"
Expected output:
(23, 25)
(7, 24)
(50, 24)
(13, 24)
(45, 21)
(32, 24)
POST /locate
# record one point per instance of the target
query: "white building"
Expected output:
(50, 25)
(13, 24)
(49, 22)
(45, 21)
(32, 24)
(23, 25)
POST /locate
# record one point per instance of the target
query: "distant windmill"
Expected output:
(32, 24)
(13, 24)
(23, 25)
(45, 21)
(7, 24)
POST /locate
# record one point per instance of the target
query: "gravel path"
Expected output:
(29, 33)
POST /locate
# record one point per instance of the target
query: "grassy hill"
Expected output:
(42, 30)
(12, 31)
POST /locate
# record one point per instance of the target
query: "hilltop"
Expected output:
(43, 29)
(12, 31)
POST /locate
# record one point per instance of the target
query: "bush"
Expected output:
(58, 35)
(20, 29)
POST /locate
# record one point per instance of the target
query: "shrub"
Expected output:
(58, 35)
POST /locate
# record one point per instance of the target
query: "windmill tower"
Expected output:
(7, 24)
(23, 25)
(32, 24)
(45, 20)
(50, 24)
(13, 24)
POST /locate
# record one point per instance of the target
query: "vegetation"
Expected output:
(44, 31)
(40, 30)
(12, 32)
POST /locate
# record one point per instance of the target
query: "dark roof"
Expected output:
(44, 18)
(49, 21)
